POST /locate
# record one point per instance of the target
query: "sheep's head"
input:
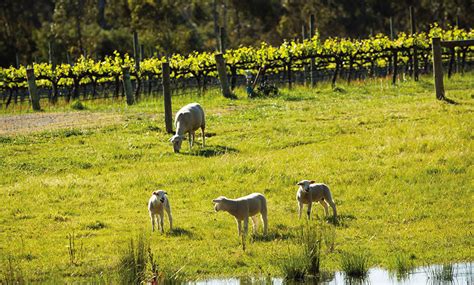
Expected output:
(304, 184)
(218, 206)
(160, 194)
(176, 140)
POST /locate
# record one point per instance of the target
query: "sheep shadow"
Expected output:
(177, 232)
(281, 233)
(212, 151)
(342, 220)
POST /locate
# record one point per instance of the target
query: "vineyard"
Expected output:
(331, 58)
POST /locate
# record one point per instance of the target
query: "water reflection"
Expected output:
(461, 273)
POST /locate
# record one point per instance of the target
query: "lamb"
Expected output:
(310, 192)
(188, 120)
(157, 202)
(243, 208)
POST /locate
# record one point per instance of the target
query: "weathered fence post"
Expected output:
(222, 40)
(136, 51)
(438, 68)
(165, 67)
(127, 85)
(34, 96)
(312, 66)
(288, 70)
(415, 52)
(395, 66)
(222, 72)
(305, 66)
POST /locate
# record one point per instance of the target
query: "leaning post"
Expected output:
(127, 85)
(221, 70)
(415, 52)
(438, 68)
(34, 96)
(165, 67)
(312, 68)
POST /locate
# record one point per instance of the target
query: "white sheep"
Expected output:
(310, 192)
(188, 120)
(243, 208)
(157, 202)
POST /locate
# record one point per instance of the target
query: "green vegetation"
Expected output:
(398, 161)
(355, 265)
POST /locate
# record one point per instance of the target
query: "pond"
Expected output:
(460, 273)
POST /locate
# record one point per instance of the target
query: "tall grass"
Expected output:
(403, 265)
(132, 266)
(355, 265)
(306, 258)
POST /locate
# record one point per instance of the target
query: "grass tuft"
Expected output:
(355, 265)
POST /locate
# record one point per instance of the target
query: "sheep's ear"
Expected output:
(217, 200)
(165, 192)
(312, 181)
(299, 183)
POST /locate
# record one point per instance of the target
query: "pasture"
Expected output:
(398, 162)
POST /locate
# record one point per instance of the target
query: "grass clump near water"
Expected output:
(355, 265)
(402, 265)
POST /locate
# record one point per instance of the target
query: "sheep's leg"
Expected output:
(333, 206)
(310, 204)
(325, 205)
(161, 222)
(203, 137)
(239, 226)
(254, 224)
(265, 222)
(246, 228)
(152, 222)
(300, 209)
(190, 134)
(170, 218)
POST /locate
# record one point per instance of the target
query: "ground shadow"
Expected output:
(272, 235)
(210, 151)
(342, 220)
(450, 101)
(176, 232)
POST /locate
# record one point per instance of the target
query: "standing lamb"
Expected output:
(310, 192)
(243, 208)
(188, 120)
(157, 202)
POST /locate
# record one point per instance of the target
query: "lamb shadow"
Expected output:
(271, 236)
(342, 220)
(450, 101)
(176, 232)
(212, 151)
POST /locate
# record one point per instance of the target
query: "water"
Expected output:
(459, 274)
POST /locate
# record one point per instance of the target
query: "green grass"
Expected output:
(398, 162)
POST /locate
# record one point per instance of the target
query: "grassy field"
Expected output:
(399, 164)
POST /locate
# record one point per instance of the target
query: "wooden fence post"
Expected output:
(438, 68)
(222, 72)
(127, 85)
(34, 96)
(395, 66)
(312, 66)
(222, 40)
(136, 51)
(304, 36)
(165, 67)
(415, 52)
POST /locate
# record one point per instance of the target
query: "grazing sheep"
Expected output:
(243, 208)
(157, 202)
(310, 192)
(188, 120)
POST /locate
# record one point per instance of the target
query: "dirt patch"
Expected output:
(28, 123)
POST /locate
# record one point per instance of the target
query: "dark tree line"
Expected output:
(98, 27)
